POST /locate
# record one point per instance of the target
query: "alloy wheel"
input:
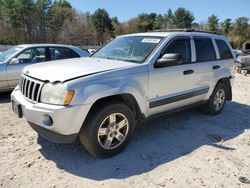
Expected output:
(219, 99)
(113, 131)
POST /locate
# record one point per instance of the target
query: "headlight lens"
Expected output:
(56, 94)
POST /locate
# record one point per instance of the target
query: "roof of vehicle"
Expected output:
(158, 34)
(168, 33)
(80, 51)
(42, 45)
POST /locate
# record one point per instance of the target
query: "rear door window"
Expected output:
(57, 53)
(204, 49)
(224, 50)
(38, 55)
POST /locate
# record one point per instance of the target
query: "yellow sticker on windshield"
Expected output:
(151, 40)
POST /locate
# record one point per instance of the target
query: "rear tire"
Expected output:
(107, 129)
(217, 100)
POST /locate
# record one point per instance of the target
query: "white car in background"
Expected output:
(15, 59)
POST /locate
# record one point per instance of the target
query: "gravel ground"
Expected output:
(186, 149)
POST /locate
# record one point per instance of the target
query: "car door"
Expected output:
(173, 86)
(27, 57)
(207, 64)
(3, 82)
(226, 55)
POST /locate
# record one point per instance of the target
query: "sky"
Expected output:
(201, 9)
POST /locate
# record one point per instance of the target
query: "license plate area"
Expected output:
(17, 108)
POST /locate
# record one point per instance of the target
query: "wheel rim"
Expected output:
(113, 131)
(219, 99)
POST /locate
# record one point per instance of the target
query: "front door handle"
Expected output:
(216, 67)
(186, 72)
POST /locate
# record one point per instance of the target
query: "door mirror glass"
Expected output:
(14, 61)
(91, 51)
(169, 60)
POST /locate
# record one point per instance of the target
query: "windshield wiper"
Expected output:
(111, 58)
(106, 58)
(119, 59)
(128, 60)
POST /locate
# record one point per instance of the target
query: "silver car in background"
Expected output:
(15, 59)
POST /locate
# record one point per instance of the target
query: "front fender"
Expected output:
(90, 92)
(104, 91)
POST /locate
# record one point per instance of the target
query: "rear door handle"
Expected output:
(216, 67)
(186, 72)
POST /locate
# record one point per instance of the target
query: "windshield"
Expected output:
(130, 48)
(7, 54)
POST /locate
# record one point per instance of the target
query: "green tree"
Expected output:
(25, 13)
(103, 24)
(117, 26)
(131, 26)
(168, 20)
(182, 18)
(1, 10)
(158, 22)
(241, 25)
(62, 4)
(17, 16)
(226, 26)
(213, 23)
(241, 31)
(146, 22)
(9, 12)
(43, 9)
(61, 12)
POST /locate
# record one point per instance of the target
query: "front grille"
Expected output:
(30, 88)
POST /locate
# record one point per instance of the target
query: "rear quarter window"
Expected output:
(204, 49)
(224, 50)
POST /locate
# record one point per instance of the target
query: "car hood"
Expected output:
(64, 70)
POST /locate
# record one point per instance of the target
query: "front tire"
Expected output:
(107, 129)
(217, 100)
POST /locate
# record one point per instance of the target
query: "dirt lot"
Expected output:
(186, 149)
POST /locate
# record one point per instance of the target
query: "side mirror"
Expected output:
(14, 61)
(169, 60)
(91, 51)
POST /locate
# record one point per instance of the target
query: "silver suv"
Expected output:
(136, 76)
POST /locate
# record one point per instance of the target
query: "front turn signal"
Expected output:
(69, 97)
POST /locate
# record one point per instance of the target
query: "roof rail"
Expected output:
(171, 30)
(202, 31)
(184, 30)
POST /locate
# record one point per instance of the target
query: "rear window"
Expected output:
(224, 50)
(204, 49)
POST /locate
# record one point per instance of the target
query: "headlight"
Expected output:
(56, 94)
